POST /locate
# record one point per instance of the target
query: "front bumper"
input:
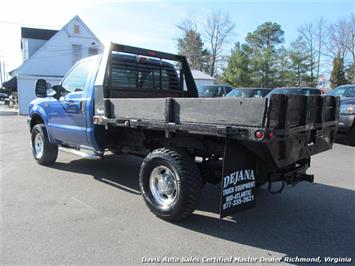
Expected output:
(345, 124)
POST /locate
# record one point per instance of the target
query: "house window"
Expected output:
(76, 53)
(77, 29)
(92, 51)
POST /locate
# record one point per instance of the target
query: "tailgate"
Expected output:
(301, 126)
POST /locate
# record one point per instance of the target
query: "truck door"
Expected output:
(67, 119)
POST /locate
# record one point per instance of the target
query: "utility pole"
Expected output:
(4, 71)
(1, 73)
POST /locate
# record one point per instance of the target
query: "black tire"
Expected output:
(49, 152)
(188, 183)
(2, 98)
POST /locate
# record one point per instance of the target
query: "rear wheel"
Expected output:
(43, 151)
(170, 183)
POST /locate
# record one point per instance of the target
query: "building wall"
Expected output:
(27, 92)
(30, 46)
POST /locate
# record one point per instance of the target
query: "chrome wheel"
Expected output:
(38, 146)
(163, 185)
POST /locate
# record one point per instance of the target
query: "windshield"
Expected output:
(343, 92)
(295, 91)
(283, 91)
(208, 90)
(243, 93)
(260, 93)
(310, 92)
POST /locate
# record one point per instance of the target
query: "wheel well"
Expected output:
(35, 120)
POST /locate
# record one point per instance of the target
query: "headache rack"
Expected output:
(109, 83)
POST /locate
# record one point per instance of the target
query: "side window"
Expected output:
(257, 94)
(350, 92)
(124, 78)
(127, 74)
(76, 80)
(150, 79)
(219, 91)
(338, 92)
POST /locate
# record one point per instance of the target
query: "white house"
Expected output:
(50, 54)
(202, 79)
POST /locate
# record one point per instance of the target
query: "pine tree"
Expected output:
(191, 46)
(337, 76)
(350, 73)
(237, 71)
(263, 43)
(284, 74)
(299, 67)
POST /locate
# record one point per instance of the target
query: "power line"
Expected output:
(27, 24)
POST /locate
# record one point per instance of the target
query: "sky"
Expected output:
(152, 24)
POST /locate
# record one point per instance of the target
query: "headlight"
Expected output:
(347, 108)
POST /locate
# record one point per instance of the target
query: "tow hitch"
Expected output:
(290, 181)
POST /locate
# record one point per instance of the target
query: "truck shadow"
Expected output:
(118, 171)
(309, 220)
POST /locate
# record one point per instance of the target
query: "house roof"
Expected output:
(39, 34)
(51, 40)
(200, 75)
(10, 84)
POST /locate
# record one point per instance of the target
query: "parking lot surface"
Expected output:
(91, 212)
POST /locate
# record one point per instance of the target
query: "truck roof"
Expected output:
(141, 59)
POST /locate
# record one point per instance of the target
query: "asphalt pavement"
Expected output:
(91, 212)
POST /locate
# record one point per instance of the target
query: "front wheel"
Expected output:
(43, 151)
(170, 183)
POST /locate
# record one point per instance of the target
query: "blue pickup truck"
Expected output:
(135, 101)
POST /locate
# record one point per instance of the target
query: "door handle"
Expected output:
(81, 106)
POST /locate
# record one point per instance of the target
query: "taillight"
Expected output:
(259, 135)
(152, 53)
(270, 135)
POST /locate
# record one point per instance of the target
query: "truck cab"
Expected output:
(67, 109)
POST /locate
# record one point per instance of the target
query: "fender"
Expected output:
(36, 109)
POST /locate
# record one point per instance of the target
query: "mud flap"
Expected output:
(238, 179)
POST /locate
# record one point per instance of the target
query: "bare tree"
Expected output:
(341, 41)
(321, 25)
(348, 41)
(308, 35)
(218, 29)
(336, 37)
(190, 23)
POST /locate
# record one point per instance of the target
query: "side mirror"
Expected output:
(41, 88)
(54, 91)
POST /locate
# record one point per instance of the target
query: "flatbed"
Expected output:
(134, 101)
